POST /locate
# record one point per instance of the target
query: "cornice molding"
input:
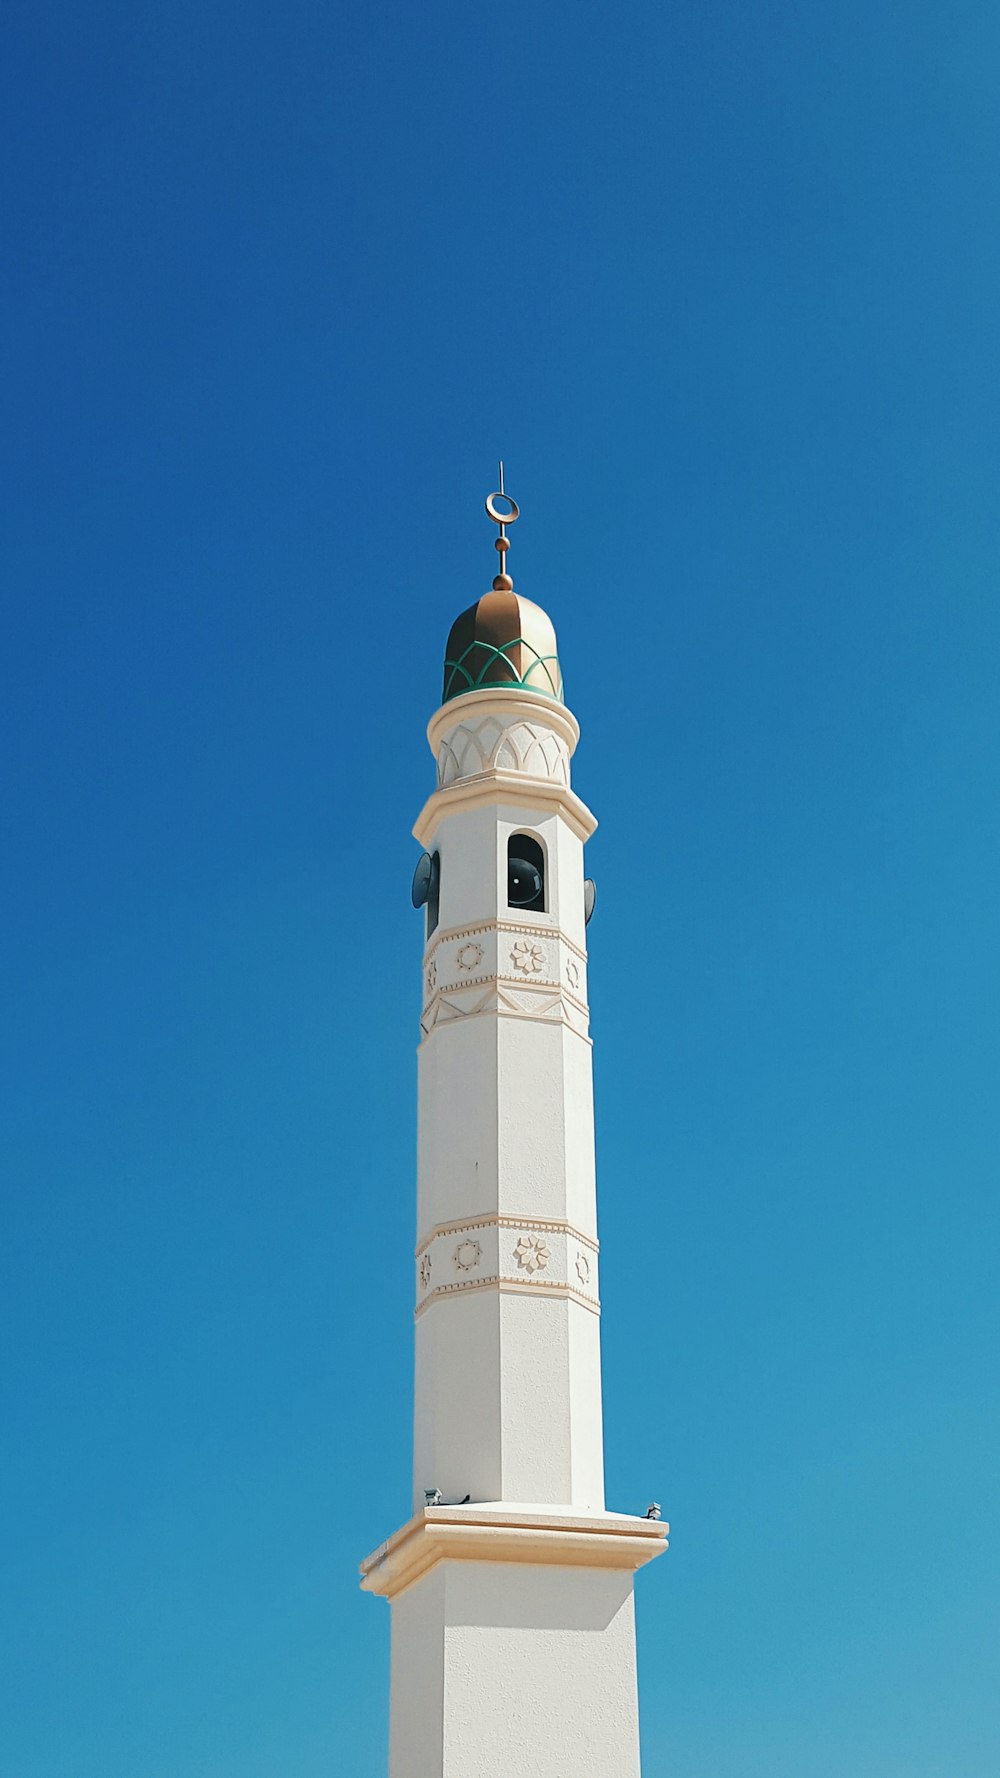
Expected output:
(512, 788)
(481, 1534)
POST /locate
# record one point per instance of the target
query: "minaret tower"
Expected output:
(513, 1635)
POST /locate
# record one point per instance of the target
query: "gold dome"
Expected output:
(502, 640)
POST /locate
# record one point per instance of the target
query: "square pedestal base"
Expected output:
(513, 1643)
(506, 1672)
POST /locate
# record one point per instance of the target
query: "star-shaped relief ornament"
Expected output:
(532, 1254)
(527, 957)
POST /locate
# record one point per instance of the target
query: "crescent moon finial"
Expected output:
(502, 582)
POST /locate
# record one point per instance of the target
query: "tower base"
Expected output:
(513, 1642)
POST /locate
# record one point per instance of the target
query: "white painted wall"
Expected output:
(417, 1684)
(507, 1387)
(510, 1658)
(515, 1671)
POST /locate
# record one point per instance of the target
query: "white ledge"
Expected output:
(492, 1532)
(516, 788)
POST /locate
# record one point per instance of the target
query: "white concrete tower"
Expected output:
(513, 1638)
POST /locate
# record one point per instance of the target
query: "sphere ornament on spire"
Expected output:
(503, 640)
(502, 582)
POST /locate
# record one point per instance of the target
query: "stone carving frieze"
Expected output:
(496, 1001)
(502, 743)
(498, 1252)
(512, 967)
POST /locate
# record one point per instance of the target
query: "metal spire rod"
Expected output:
(502, 582)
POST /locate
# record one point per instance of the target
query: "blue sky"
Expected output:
(721, 283)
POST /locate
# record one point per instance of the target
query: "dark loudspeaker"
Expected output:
(524, 883)
(423, 880)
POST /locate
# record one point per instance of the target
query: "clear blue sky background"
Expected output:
(722, 283)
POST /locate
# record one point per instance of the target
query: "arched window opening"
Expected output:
(525, 874)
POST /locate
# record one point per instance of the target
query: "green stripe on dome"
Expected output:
(458, 678)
